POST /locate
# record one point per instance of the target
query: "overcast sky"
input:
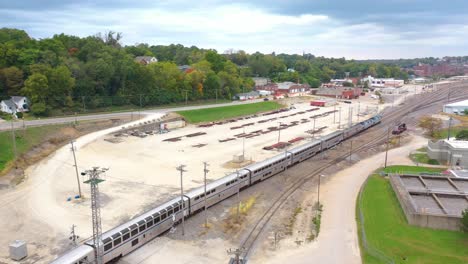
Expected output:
(359, 29)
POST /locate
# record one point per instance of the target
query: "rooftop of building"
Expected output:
(461, 103)
(459, 144)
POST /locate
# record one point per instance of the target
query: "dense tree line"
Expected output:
(69, 73)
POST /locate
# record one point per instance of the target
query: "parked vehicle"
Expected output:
(399, 129)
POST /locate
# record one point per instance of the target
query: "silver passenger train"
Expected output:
(127, 237)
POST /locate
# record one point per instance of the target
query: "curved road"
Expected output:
(68, 119)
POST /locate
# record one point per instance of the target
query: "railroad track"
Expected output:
(397, 114)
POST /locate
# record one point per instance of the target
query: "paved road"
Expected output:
(60, 120)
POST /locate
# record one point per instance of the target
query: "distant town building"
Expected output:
(442, 68)
(340, 92)
(247, 96)
(260, 81)
(456, 108)
(15, 105)
(383, 82)
(145, 60)
(451, 151)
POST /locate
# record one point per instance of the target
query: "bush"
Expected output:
(462, 135)
(464, 221)
(19, 115)
(39, 109)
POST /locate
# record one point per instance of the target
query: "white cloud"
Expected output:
(242, 26)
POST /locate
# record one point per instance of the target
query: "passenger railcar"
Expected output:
(126, 237)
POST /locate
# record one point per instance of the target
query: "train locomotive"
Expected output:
(127, 237)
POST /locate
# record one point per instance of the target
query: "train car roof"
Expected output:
(333, 134)
(73, 255)
(137, 219)
(199, 190)
(304, 146)
(267, 161)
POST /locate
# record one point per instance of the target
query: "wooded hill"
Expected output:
(70, 74)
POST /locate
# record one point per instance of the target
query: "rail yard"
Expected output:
(142, 172)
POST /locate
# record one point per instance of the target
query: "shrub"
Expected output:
(19, 115)
(464, 221)
(38, 109)
(462, 135)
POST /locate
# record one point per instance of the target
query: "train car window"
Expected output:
(134, 232)
(107, 246)
(163, 216)
(142, 228)
(105, 241)
(156, 219)
(149, 223)
(227, 184)
(170, 211)
(117, 241)
(134, 242)
(126, 236)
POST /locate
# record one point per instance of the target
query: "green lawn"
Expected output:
(219, 113)
(387, 231)
(412, 169)
(442, 134)
(24, 142)
(423, 158)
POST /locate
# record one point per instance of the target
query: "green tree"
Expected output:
(36, 88)
(464, 221)
(61, 85)
(12, 79)
(431, 125)
(216, 60)
(462, 135)
(465, 112)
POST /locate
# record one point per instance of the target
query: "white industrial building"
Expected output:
(383, 82)
(451, 151)
(456, 108)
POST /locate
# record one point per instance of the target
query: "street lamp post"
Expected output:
(205, 170)
(279, 131)
(182, 170)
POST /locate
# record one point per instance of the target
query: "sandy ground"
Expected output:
(142, 174)
(338, 230)
(32, 211)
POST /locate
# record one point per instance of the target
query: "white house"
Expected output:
(14, 105)
(456, 108)
(145, 60)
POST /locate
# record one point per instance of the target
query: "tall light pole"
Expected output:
(450, 127)
(238, 198)
(94, 178)
(279, 131)
(339, 118)
(13, 140)
(186, 96)
(76, 168)
(205, 170)
(181, 169)
(313, 129)
(243, 144)
(386, 150)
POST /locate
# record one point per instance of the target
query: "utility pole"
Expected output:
(313, 129)
(186, 96)
(236, 252)
(13, 139)
(358, 109)
(243, 144)
(216, 92)
(350, 116)
(93, 180)
(76, 168)
(450, 127)
(238, 198)
(386, 151)
(334, 113)
(279, 131)
(181, 169)
(205, 170)
(139, 111)
(350, 150)
(84, 105)
(73, 237)
(339, 118)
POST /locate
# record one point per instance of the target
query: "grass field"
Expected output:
(387, 230)
(24, 142)
(442, 134)
(219, 113)
(413, 169)
(423, 158)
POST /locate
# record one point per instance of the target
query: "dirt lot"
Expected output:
(142, 173)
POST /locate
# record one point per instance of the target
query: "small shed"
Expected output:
(18, 250)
